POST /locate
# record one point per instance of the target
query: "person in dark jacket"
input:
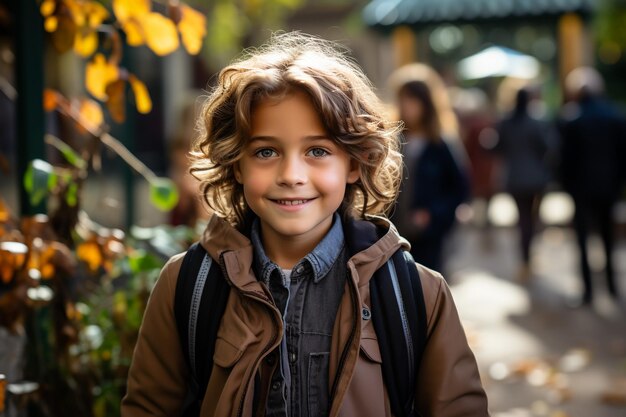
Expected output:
(523, 143)
(434, 183)
(592, 159)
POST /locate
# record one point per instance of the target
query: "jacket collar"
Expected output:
(370, 243)
(320, 259)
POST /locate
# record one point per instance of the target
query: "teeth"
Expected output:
(291, 202)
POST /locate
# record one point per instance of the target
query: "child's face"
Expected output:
(293, 175)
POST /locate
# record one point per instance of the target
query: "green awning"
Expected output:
(389, 13)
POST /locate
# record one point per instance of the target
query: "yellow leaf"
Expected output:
(63, 37)
(142, 97)
(50, 99)
(96, 13)
(125, 9)
(47, 271)
(91, 113)
(5, 215)
(85, 44)
(134, 32)
(116, 102)
(47, 7)
(51, 23)
(90, 253)
(160, 32)
(192, 28)
(98, 74)
(77, 10)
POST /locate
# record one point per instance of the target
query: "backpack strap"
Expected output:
(399, 318)
(199, 304)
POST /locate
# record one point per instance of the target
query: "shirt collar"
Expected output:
(321, 258)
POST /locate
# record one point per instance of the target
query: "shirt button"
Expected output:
(276, 386)
(300, 269)
(293, 357)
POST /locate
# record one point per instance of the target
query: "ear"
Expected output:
(354, 174)
(237, 172)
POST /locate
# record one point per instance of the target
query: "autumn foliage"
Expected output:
(95, 33)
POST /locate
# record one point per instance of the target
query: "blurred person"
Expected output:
(435, 182)
(592, 162)
(524, 142)
(476, 126)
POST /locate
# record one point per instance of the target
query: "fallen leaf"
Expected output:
(615, 394)
(559, 413)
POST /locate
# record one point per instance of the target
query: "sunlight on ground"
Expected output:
(485, 303)
(556, 208)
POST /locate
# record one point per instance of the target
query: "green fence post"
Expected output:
(29, 53)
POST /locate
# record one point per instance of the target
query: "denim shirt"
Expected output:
(308, 299)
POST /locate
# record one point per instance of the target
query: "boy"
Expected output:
(295, 158)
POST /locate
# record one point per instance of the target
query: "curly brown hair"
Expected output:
(341, 94)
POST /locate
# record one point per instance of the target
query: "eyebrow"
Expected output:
(274, 138)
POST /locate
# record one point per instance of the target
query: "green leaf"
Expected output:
(71, 156)
(39, 179)
(71, 196)
(163, 194)
(141, 261)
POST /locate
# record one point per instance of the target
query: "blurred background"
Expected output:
(97, 108)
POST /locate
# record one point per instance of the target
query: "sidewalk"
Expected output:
(537, 356)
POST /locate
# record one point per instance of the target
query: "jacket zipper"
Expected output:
(344, 354)
(263, 300)
(253, 295)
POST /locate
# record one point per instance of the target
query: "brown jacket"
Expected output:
(251, 328)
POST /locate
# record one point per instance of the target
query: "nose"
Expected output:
(292, 171)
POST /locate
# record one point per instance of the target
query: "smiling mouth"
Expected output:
(292, 202)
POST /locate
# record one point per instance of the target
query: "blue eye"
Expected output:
(265, 153)
(318, 152)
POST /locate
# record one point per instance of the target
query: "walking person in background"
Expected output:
(523, 144)
(434, 183)
(592, 153)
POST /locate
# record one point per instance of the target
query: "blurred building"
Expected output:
(443, 32)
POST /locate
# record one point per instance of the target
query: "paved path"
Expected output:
(537, 356)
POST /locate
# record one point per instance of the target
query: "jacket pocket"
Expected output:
(366, 395)
(226, 353)
(370, 349)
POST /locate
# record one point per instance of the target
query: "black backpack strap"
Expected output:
(199, 304)
(399, 318)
